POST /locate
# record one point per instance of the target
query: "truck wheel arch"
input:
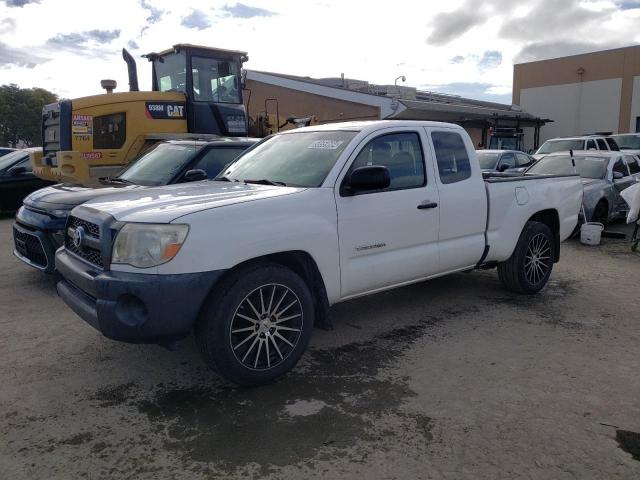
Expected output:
(551, 219)
(303, 264)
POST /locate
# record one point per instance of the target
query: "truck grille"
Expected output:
(91, 255)
(56, 130)
(29, 247)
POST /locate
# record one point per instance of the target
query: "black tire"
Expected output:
(235, 310)
(530, 265)
(600, 213)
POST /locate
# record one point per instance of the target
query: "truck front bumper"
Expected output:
(133, 307)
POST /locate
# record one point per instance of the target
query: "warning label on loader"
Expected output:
(165, 110)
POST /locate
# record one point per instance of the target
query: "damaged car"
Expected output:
(604, 175)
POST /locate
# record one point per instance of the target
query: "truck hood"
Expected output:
(65, 196)
(165, 204)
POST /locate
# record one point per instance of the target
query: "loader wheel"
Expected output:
(530, 265)
(256, 324)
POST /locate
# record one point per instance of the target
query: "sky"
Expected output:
(461, 47)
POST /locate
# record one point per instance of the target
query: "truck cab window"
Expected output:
(602, 145)
(401, 153)
(215, 80)
(171, 73)
(452, 158)
(591, 145)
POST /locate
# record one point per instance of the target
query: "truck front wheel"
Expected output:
(256, 324)
(530, 265)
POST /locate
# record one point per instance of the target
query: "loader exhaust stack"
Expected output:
(132, 69)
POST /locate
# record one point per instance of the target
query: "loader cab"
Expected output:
(210, 80)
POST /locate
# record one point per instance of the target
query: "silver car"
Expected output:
(604, 176)
(504, 160)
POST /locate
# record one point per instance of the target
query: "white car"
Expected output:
(585, 142)
(306, 219)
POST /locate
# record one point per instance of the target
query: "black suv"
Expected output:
(40, 222)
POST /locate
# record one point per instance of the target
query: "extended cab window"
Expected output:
(109, 131)
(401, 153)
(452, 157)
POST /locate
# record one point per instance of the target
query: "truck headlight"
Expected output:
(145, 245)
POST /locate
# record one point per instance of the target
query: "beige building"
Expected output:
(342, 99)
(594, 92)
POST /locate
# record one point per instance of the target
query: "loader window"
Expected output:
(109, 131)
(215, 80)
(171, 73)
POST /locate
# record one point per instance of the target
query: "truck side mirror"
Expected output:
(617, 175)
(503, 167)
(195, 175)
(371, 177)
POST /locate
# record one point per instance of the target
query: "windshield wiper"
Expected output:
(265, 181)
(112, 180)
(225, 179)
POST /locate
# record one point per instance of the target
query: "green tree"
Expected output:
(21, 114)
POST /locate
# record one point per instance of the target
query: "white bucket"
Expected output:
(590, 233)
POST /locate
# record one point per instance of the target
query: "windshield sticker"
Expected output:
(326, 144)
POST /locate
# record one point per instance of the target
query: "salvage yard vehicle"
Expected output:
(585, 142)
(39, 227)
(504, 160)
(17, 179)
(628, 141)
(604, 176)
(306, 219)
(195, 89)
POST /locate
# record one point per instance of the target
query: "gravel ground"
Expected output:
(452, 378)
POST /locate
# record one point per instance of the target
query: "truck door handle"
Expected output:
(427, 205)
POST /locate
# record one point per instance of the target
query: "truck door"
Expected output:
(463, 200)
(389, 236)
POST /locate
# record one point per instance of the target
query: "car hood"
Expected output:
(165, 204)
(65, 196)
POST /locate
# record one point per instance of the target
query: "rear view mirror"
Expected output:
(372, 177)
(195, 175)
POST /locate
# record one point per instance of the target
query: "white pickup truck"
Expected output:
(305, 219)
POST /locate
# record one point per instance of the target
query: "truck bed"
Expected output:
(514, 198)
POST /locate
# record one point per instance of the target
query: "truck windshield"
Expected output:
(160, 165)
(171, 72)
(487, 160)
(301, 159)
(628, 142)
(552, 146)
(587, 167)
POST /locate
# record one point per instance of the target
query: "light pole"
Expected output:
(401, 77)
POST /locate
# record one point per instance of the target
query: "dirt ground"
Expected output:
(449, 379)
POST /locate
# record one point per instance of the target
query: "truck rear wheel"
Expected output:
(256, 324)
(530, 265)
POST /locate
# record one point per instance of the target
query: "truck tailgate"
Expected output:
(513, 201)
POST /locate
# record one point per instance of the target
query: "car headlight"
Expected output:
(145, 245)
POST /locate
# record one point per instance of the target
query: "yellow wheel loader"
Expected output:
(196, 93)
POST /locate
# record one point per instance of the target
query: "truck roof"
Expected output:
(373, 125)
